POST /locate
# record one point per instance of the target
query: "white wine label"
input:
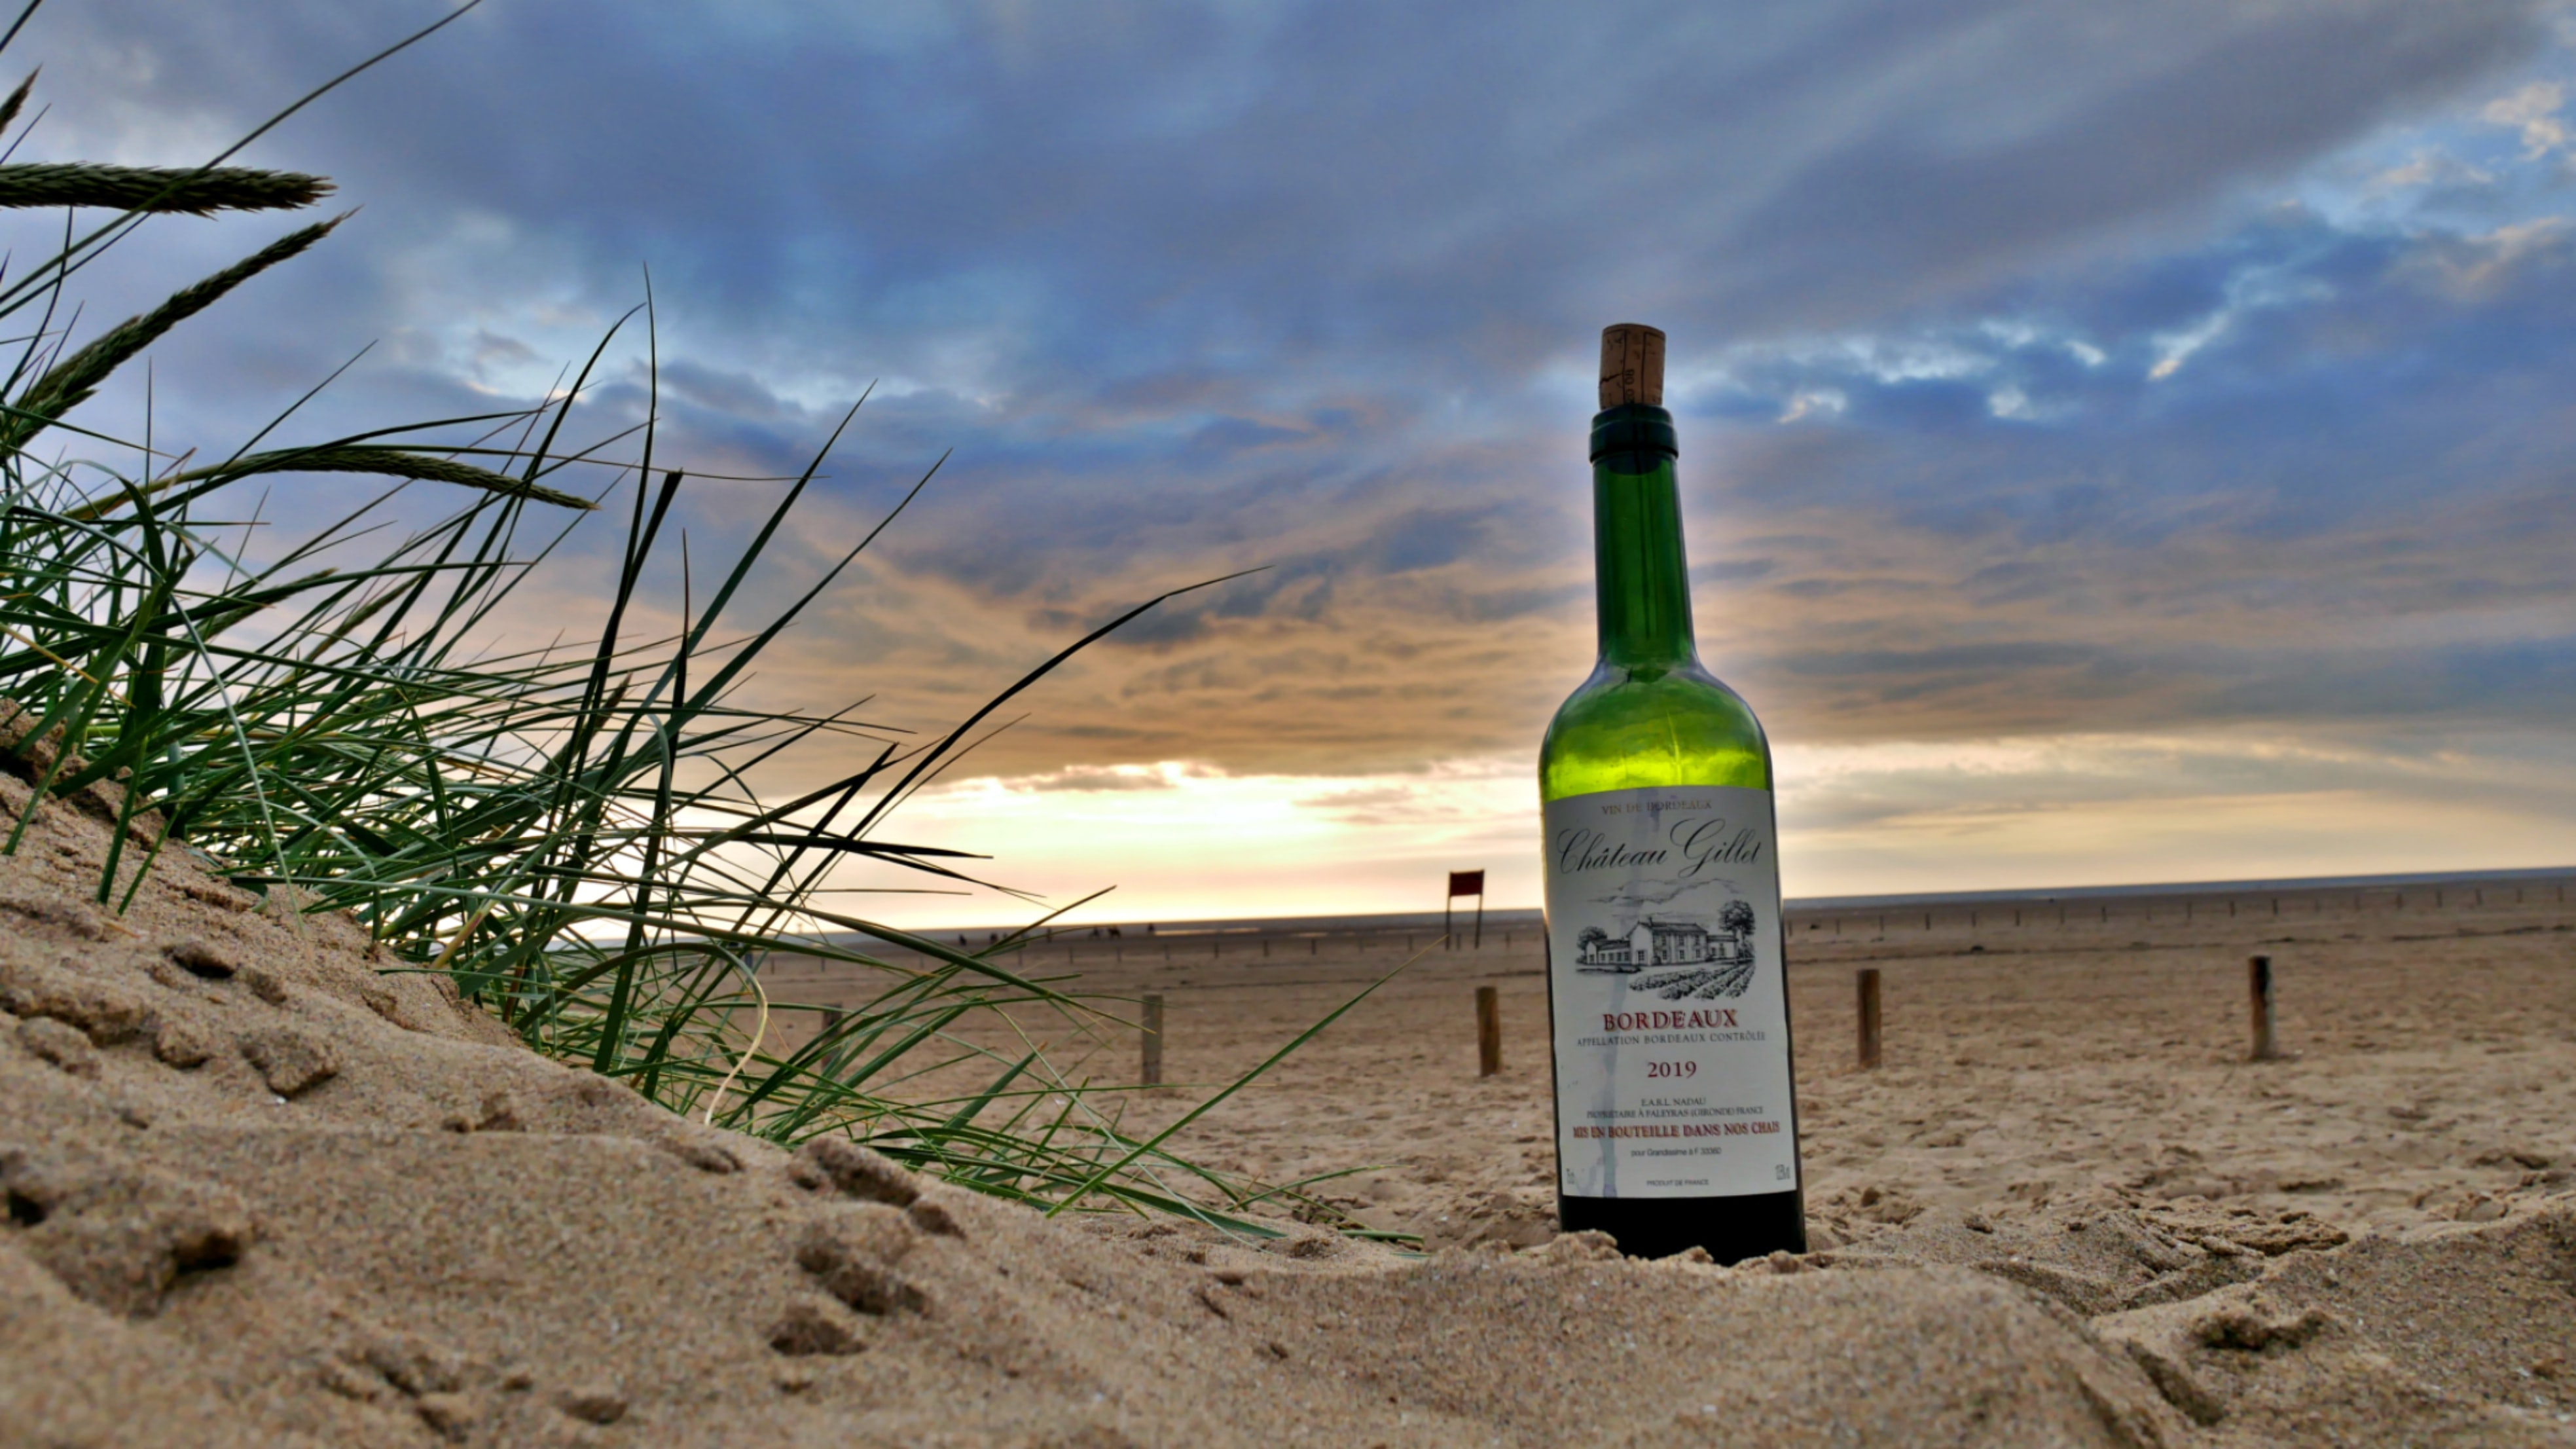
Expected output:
(1670, 1008)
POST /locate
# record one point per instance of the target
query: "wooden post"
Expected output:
(1489, 1032)
(1869, 1018)
(2258, 980)
(1152, 1073)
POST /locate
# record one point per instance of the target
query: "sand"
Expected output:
(259, 1193)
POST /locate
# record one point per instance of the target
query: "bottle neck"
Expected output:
(1642, 579)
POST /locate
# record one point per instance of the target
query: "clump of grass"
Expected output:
(572, 833)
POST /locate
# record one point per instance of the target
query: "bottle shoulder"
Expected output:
(1626, 728)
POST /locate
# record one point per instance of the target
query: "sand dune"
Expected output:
(260, 1194)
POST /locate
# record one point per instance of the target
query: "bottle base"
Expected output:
(1732, 1229)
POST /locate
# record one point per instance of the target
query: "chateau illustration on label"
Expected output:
(1710, 961)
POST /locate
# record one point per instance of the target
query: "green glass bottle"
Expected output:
(1676, 1118)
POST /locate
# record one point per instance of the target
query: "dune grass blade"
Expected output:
(385, 462)
(17, 99)
(70, 382)
(196, 192)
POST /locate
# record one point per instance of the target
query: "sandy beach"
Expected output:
(2428, 1064)
(260, 1193)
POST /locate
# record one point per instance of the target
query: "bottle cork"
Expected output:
(1632, 365)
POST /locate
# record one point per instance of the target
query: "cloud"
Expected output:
(2533, 111)
(1088, 780)
(2034, 373)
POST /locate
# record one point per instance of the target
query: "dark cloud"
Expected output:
(2147, 120)
(1070, 205)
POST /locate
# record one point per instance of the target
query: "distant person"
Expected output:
(1149, 928)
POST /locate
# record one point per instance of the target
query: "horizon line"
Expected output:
(1523, 915)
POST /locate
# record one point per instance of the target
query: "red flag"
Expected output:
(1466, 882)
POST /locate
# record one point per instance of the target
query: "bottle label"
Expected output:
(1670, 1007)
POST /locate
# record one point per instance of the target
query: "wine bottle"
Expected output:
(1676, 1123)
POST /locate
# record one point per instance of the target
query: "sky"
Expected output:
(2120, 442)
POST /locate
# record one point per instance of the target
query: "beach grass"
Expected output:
(571, 833)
